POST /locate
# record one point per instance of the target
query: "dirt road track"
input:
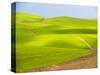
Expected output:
(89, 61)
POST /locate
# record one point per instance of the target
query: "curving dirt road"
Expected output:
(89, 61)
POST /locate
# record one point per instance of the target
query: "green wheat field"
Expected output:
(42, 42)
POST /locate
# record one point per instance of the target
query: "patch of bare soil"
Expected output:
(89, 61)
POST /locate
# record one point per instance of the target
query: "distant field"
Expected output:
(42, 42)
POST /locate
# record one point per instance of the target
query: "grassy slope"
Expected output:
(42, 42)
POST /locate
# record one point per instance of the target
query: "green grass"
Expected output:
(42, 42)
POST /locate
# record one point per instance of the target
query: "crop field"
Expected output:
(43, 42)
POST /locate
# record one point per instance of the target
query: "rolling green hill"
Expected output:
(41, 42)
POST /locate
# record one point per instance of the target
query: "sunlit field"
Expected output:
(42, 42)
